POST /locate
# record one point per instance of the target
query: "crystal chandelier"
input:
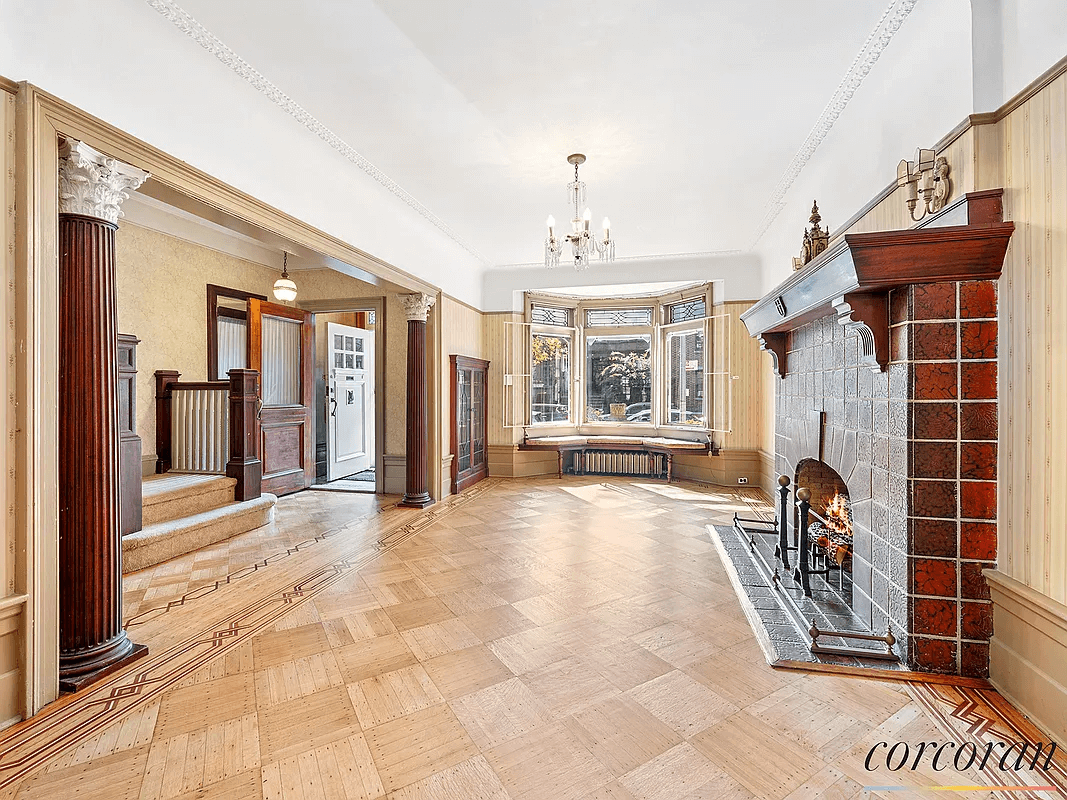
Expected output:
(583, 243)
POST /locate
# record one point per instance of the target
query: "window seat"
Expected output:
(607, 454)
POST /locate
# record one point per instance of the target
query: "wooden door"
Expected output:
(349, 400)
(280, 348)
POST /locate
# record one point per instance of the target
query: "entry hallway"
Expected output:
(526, 639)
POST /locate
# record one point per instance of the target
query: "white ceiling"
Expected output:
(689, 112)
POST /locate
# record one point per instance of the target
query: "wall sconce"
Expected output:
(926, 177)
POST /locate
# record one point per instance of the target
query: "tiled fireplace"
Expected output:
(906, 417)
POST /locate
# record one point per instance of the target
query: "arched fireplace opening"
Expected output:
(830, 522)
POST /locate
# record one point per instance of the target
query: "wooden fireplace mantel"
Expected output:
(853, 277)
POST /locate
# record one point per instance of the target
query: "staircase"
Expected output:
(182, 513)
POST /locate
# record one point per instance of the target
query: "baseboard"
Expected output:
(723, 469)
(394, 474)
(1028, 652)
(768, 476)
(148, 464)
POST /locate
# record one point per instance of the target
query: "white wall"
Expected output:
(140, 73)
(917, 91)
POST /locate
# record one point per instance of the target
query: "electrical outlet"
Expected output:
(742, 480)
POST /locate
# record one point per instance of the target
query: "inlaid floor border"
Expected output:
(978, 716)
(28, 746)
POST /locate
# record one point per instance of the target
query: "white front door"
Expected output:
(349, 400)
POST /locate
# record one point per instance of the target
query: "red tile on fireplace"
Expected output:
(978, 499)
(976, 620)
(978, 540)
(934, 381)
(933, 459)
(900, 305)
(978, 421)
(899, 335)
(975, 660)
(934, 537)
(933, 499)
(934, 341)
(978, 339)
(972, 583)
(934, 421)
(978, 299)
(936, 617)
(978, 461)
(978, 380)
(933, 578)
(934, 301)
(933, 655)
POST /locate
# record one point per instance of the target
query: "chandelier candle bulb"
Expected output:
(607, 229)
(551, 222)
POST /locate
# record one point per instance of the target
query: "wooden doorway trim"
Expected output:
(214, 292)
(346, 305)
(33, 607)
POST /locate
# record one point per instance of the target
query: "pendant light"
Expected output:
(284, 288)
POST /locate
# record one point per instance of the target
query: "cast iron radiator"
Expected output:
(617, 462)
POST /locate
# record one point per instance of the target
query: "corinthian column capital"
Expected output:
(417, 305)
(93, 184)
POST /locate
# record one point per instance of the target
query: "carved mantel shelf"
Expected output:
(853, 278)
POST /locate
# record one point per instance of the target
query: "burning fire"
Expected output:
(834, 532)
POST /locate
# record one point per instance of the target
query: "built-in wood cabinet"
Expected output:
(470, 377)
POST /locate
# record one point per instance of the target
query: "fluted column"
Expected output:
(92, 642)
(416, 492)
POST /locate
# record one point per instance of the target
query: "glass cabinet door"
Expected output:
(463, 419)
(478, 418)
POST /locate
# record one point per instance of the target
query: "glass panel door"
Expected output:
(463, 419)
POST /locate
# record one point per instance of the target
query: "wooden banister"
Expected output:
(244, 464)
(165, 379)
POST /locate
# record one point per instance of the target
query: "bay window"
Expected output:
(641, 362)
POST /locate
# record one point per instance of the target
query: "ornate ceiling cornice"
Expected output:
(876, 42)
(188, 25)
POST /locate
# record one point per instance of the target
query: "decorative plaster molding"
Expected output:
(92, 183)
(417, 305)
(188, 25)
(876, 42)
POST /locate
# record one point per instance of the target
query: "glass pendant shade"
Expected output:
(285, 289)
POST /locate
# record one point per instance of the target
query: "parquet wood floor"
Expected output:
(531, 639)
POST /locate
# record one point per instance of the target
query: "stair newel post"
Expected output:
(164, 397)
(244, 465)
(803, 554)
(783, 522)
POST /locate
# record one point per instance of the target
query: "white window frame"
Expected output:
(716, 373)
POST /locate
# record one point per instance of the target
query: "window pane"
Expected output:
(617, 379)
(550, 398)
(617, 317)
(547, 315)
(687, 310)
(685, 385)
(281, 362)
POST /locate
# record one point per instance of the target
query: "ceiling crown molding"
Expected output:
(891, 20)
(188, 25)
